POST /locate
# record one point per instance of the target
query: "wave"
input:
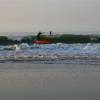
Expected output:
(57, 53)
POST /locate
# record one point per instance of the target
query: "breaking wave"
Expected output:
(51, 53)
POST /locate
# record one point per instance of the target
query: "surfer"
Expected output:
(38, 39)
(50, 33)
(38, 35)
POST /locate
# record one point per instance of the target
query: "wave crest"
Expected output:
(50, 52)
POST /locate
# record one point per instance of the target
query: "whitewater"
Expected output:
(58, 53)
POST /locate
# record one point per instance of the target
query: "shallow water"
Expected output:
(21, 81)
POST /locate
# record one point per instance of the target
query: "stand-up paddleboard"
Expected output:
(41, 41)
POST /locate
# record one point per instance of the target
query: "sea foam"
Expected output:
(50, 52)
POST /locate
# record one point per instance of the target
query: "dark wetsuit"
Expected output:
(38, 35)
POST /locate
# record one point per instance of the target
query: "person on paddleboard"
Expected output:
(38, 35)
(39, 41)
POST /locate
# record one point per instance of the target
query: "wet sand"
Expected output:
(26, 81)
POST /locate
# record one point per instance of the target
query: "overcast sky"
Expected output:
(45, 15)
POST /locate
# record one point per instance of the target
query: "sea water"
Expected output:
(58, 53)
(50, 72)
(27, 81)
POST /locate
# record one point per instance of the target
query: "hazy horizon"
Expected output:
(46, 15)
(47, 33)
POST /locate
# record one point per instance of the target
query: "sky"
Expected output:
(45, 15)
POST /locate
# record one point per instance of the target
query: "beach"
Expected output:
(26, 81)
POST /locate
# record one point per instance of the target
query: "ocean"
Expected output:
(20, 81)
(58, 53)
(50, 72)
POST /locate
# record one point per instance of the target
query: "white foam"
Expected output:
(52, 51)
